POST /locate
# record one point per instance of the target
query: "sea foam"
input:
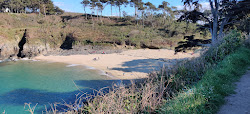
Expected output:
(72, 65)
(89, 67)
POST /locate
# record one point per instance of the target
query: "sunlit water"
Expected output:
(44, 83)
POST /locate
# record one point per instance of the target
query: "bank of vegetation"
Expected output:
(194, 86)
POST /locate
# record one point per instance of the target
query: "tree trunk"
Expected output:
(85, 13)
(101, 16)
(97, 14)
(120, 11)
(214, 32)
(135, 12)
(223, 23)
(111, 11)
(44, 10)
(143, 18)
(214, 10)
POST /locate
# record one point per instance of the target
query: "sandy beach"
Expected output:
(131, 64)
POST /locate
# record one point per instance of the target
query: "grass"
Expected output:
(208, 94)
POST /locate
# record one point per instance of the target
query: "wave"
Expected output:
(25, 59)
(72, 65)
(89, 67)
(35, 60)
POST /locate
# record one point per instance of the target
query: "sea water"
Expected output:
(42, 83)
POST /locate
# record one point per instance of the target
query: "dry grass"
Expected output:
(137, 98)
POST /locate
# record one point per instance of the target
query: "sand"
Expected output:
(131, 64)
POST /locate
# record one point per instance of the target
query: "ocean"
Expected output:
(42, 83)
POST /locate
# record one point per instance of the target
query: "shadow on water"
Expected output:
(20, 96)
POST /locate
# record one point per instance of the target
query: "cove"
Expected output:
(44, 83)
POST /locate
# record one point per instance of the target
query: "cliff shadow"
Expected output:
(68, 42)
(21, 44)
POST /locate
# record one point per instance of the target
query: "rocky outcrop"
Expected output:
(21, 47)
(32, 50)
(8, 50)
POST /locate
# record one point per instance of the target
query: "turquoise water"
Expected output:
(44, 83)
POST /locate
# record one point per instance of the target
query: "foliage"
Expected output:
(224, 13)
(208, 94)
(23, 6)
(203, 97)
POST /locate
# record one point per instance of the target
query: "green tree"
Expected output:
(103, 5)
(136, 4)
(118, 3)
(224, 12)
(151, 9)
(85, 4)
(142, 9)
(112, 3)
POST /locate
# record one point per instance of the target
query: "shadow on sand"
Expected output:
(147, 65)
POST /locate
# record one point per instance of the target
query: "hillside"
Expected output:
(28, 35)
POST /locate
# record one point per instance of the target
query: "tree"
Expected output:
(118, 3)
(58, 10)
(85, 4)
(223, 12)
(1, 4)
(112, 3)
(136, 4)
(166, 10)
(142, 9)
(103, 5)
(151, 8)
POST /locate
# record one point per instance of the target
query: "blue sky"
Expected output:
(75, 6)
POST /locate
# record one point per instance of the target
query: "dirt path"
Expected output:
(239, 103)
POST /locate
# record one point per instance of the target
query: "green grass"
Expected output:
(208, 94)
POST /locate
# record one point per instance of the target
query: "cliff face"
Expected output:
(21, 47)
(8, 50)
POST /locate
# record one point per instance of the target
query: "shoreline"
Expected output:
(130, 64)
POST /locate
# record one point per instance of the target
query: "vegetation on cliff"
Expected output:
(195, 86)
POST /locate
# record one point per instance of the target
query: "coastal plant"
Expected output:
(190, 71)
(135, 98)
(30, 109)
(208, 94)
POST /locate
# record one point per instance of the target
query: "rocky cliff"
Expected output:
(21, 47)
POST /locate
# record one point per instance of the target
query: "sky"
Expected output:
(76, 6)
